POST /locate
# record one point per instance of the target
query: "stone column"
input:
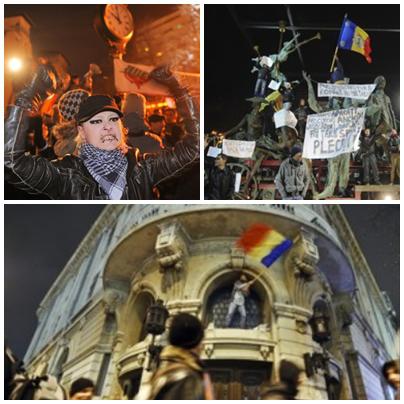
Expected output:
(293, 341)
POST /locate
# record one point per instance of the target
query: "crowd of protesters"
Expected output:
(50, 131)
(180, 374)
(294, 177)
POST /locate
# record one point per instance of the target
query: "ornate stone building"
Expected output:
(91, 322)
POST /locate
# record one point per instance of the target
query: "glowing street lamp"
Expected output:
(15, 64)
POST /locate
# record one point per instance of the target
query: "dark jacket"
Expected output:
(179, 377)
(68, 178)
(367, 145)
(220, 183)
(280, 391)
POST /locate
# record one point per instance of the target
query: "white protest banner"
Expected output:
(285, 118)
(237, 182)
(355, 91)
(213, 151)
(332, 133)
(134, 78)
(238, 148)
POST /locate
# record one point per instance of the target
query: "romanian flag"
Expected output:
(355, 39)
(264, 243)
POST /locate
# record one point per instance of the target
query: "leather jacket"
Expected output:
(68, 178)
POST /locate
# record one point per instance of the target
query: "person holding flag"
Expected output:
(265, 244)
(241, 290)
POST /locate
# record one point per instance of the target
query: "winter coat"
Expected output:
(180, 376)
(292, 179)
(68, 178)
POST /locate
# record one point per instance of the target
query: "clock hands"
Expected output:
(117, 18)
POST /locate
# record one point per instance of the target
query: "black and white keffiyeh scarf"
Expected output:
(107, 167)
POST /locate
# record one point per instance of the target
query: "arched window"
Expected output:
(220, 297)
(137, 317)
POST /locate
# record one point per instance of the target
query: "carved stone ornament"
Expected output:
(304, 255)
(301, 326)
(112, 299)
(171, 248)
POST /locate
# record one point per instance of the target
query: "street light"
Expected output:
(15, 64)
(156, 319)
(320, 322)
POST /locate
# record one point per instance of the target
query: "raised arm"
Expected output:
(26, 172)
(312, 100)
(171, 163)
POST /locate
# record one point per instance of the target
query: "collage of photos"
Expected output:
(201, 201)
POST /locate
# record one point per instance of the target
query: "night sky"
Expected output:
(228, 52)
(40, 239)
(69, 29)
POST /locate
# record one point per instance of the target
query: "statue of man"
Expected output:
(250, 127)
(241, 289)
(281, 57)
(380, 113)
(379, 108)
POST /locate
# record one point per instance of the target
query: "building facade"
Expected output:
(91, 323)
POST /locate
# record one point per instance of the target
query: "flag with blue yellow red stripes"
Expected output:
(354, 38)
(263, 243)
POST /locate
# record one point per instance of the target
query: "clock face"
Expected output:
(119, 21)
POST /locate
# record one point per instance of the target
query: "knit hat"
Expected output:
(134, 122)
(186, 331)
(69, 103)
(295, 150)
(80, 385)
(135, 103)
(96, 104)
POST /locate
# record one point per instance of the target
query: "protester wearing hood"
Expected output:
(292, 180)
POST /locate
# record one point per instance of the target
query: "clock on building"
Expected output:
(115, 22)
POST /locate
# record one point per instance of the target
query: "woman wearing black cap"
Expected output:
(104, 167)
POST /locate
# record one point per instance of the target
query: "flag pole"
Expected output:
(337, 47)
(334, 58)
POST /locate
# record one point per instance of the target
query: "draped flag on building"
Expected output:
(264, 243)
(355, 39)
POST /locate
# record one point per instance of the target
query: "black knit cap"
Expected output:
(289, 373)
(80, 385)
(95, 104)
(186, 331)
